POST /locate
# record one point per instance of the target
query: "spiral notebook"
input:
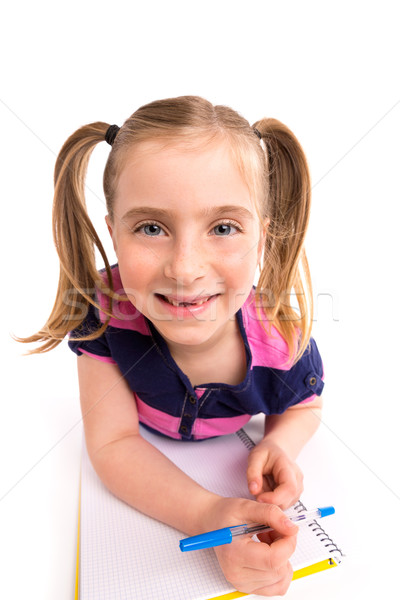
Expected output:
(123, 553)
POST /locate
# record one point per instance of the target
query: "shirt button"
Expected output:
(184, 429)
(313, 381)
(187, 416)
(192, 399)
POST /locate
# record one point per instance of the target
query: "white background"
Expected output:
(329, 71)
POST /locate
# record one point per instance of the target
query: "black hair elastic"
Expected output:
(258, 134)
(111, 134)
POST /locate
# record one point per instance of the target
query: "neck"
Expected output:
(207, 362)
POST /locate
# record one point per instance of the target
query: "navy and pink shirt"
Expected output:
(166, 400)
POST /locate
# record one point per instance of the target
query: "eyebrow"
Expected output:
(215, 211)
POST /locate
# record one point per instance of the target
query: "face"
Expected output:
(187, 239)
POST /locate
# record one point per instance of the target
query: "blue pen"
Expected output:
(225, 535)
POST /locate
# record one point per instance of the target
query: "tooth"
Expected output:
(176, 303)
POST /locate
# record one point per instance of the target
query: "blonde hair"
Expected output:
(275, 171)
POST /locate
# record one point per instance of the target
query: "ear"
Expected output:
(111, 231)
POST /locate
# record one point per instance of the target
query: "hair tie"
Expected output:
(258, 134)
(111, 134)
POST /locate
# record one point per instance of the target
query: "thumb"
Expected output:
(272, 515)
(255, 470)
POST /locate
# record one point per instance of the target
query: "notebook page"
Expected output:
(125, 554)
(228, 478)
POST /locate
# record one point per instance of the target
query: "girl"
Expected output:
(175, 336)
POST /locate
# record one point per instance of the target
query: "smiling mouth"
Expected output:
(175, 302)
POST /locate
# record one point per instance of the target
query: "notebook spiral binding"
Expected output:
(245, 439)
(322, 535)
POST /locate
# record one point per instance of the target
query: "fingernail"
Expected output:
(253, 487)
(289, 523)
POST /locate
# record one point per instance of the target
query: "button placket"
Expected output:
(188, 416)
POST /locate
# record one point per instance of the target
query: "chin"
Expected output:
(186, 336)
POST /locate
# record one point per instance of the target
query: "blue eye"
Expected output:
(150, 230)
(224, 229)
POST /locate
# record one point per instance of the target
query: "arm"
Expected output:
(129, 466)
(272, 474)
(143, 477)
(292, 429)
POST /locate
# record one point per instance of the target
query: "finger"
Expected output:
(266, 557)
(269, 514)
(268, 483)
(278, 588)
(286, 476)
(279, 497)
(252, 580)
(267, 537)
(285, 493)
(255, 469)
(258, 578)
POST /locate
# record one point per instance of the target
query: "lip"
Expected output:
(191, 309)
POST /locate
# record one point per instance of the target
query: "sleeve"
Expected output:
(303, 381)
(97, 348)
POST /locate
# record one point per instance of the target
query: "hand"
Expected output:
(272, 476)
(255, 567)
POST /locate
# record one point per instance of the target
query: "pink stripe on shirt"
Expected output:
(269, 349)
(203, 428)
(307, 400)
(106, 359)
(158, 420)
(126, 316)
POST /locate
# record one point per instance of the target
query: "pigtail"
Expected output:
(285, 266)
(279, 176)
(74, 238)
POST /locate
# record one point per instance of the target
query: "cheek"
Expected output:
(242, 260)
(136, 265)
(135, 254)
(239, 275)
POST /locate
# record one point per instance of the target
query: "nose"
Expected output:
(186, 262)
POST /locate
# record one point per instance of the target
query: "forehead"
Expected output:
(158, 171)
